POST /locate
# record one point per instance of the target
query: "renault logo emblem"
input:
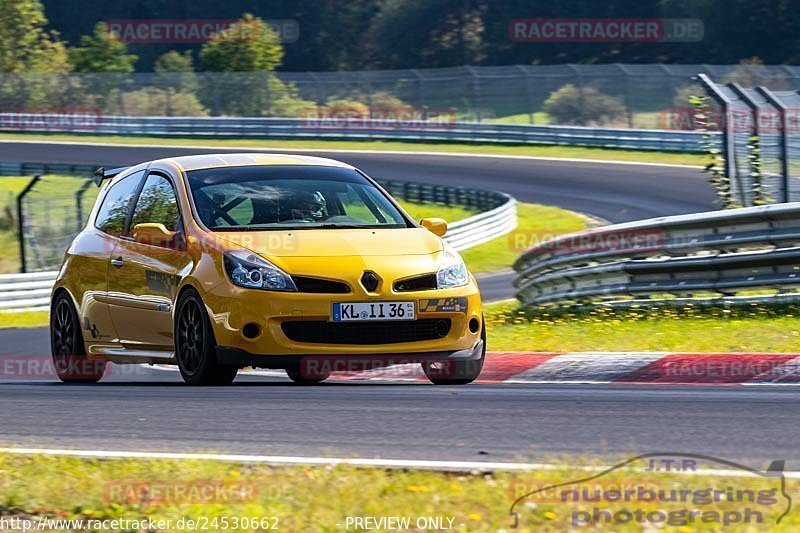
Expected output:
(370, 280)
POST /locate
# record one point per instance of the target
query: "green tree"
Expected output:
(585, 107)
(249, 51)
(28, 55)
(176, 71)
(102, 52)
(420, 33)
(25, 46)
(246, 46)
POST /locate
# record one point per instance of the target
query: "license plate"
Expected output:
(357, 311)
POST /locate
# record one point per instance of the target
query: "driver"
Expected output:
(307, 206)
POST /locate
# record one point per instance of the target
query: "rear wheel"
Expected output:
(66, 345)
(195, 347)
(456, 372)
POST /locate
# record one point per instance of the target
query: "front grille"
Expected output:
(325, 286)
(385, 332)
(419, 283)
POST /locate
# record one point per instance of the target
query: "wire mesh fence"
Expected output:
(54, 210)
(619, 95)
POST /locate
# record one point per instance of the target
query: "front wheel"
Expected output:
(195, 347)
(306, 378)
(456, 372)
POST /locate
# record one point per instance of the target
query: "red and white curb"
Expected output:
(653, 368)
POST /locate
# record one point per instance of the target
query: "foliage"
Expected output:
(152, 101)
(587, 106)
(257, 50)
(102, 52)
(341, 107)
(760, 194)
(407, 33)
(27, 50)
(683, 95)
(176, 71)
(252, 59)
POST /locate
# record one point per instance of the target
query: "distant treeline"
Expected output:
(388, 34)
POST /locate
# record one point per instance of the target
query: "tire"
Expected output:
(456, 372)
(296, 375)
(195, 347)
(66, 345)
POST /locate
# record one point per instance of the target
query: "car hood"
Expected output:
(338, 242)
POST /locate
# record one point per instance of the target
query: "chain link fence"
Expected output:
(618, 95)
(52, 211)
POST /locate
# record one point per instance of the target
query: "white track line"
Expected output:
(346, 151)
(279, 460)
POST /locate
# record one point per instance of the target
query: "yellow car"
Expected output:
(219, 262)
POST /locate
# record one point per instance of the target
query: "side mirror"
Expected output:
(437, 226)
(153, 234)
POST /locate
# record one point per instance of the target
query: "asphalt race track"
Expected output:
(151, 410)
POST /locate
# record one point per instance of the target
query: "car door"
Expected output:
(144, 275)
(92, 252)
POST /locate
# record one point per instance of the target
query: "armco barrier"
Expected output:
(291, 128)
(724, 252)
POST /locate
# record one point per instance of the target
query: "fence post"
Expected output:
(754, 190)
(21, 223)
(776, 102)
(579, 77)
(728, 144)
(528, 99)
(475, 92)
(79, 204)
(628, 106)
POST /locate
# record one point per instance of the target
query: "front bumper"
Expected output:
(229, 356)
(232, 310)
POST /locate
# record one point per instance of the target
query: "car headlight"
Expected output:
(252, 271)
(452, 271)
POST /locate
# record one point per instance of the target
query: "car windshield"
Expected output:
(290, 197)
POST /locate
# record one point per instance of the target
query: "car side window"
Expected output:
(117, 203)
(157, 204)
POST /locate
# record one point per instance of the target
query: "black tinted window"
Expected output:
(293, 196)
(114, 211)
(157, 204)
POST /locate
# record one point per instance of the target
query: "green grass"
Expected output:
(540, 118)
(321, 498)
(449, 213)
(9, 188)
(277, 144)
(24, 319)
(757, 328)
(535, 223)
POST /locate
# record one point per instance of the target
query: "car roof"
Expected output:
(207, 161)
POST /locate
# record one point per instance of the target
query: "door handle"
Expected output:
(118, 262)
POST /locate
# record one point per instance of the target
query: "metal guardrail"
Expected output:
(354, 129)
(724, 252)
(26, 291)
